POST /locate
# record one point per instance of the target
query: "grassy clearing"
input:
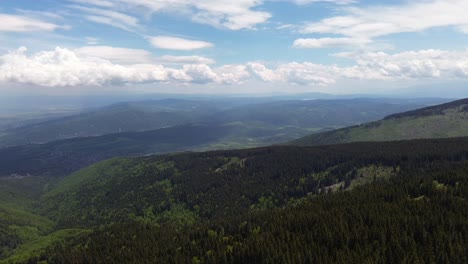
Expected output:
(36, 247)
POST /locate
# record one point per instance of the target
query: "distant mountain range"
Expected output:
(440, 121)
(279, 116)
(227, 126)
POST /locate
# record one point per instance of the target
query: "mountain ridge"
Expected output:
(439, 121)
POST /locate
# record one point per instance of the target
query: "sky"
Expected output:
(226, 46)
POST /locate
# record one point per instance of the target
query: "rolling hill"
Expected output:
(439, 121)
(64, 156)
(122, 117)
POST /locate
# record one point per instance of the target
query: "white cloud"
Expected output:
(168, 59)
(62, 67)
(39, 14)
(376, 21)
(225, 14)
(137, 56)
(173, 43)
(315, 43)
(109, 17)
(228, 14)
(84, 67)
(338, 2)
(200, 73)
(102, 3)
(296, 73)
(262, 72)
(116, 55)
(409, 65)
(413, 65)
(232, 74)
(16, 23)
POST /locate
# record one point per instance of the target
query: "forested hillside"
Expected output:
(59, 158)
(440, 121)
(364, 202)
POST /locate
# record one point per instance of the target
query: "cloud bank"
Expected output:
(97, 66)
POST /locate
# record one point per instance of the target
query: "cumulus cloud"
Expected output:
(95, 66)
(424, 64)
(408, 65)
(63, 67)
(315, 43)
(17, 23)
(232, 74)
(84, 67)
(375, 21)
(296, 73)
(173, 43)
(264, 73)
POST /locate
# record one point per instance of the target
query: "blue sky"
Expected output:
(209, 46)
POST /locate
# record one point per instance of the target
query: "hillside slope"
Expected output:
(59, 158)
(440, 121)
(391, 202)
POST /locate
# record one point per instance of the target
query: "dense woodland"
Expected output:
(395, 202)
